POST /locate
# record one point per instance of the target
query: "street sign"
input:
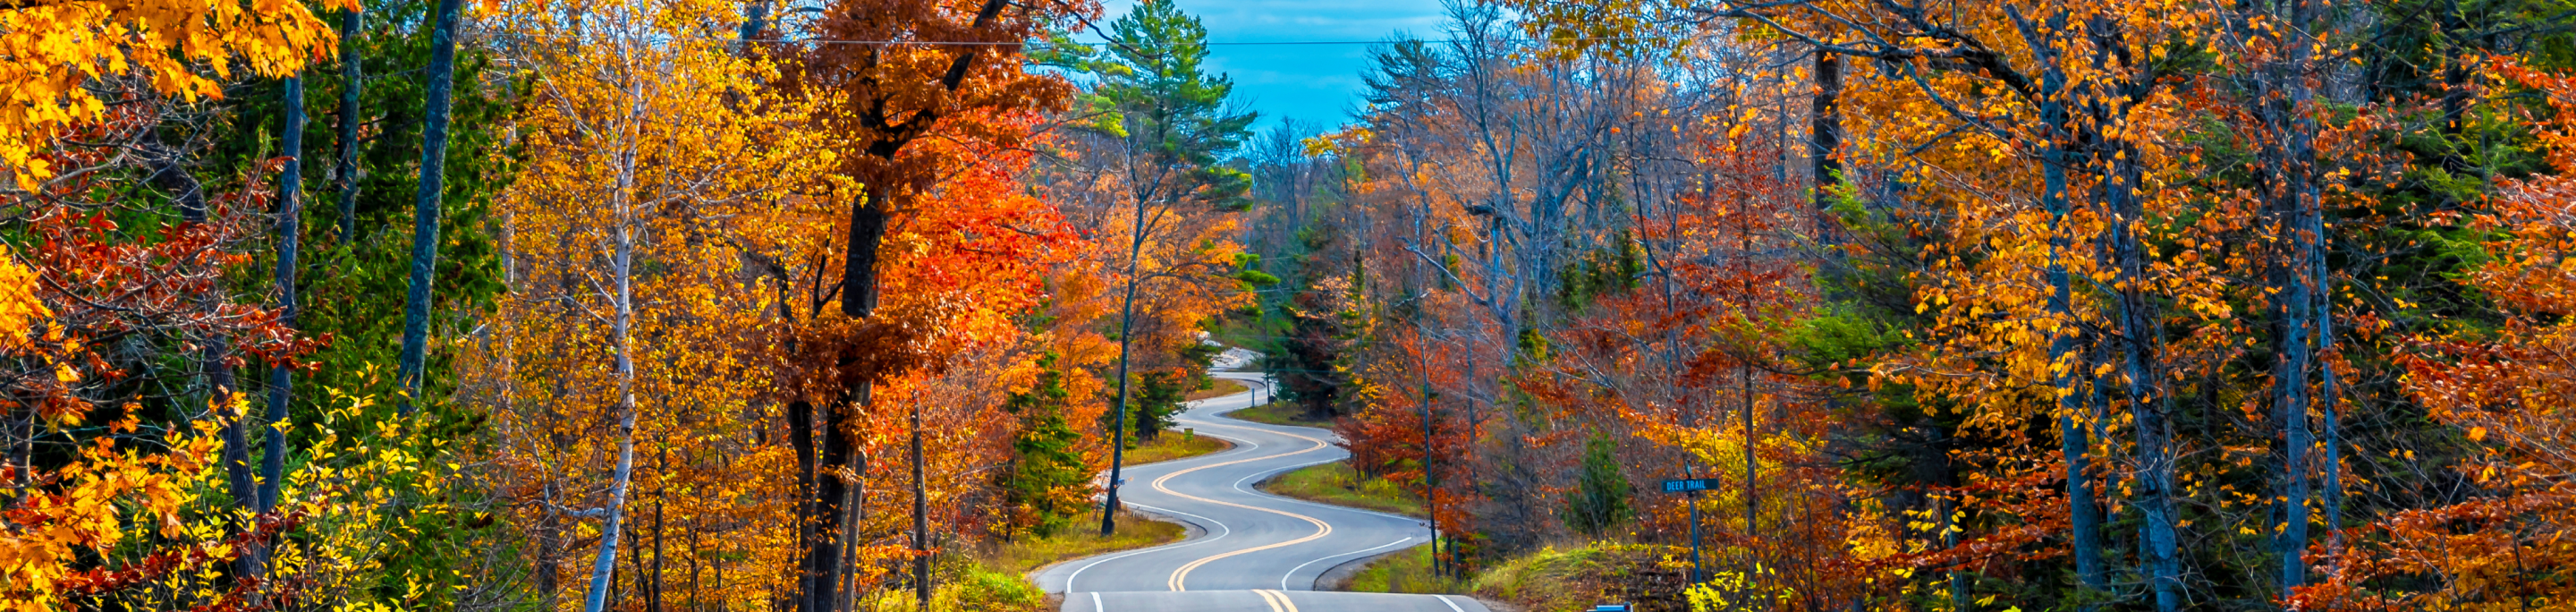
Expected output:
(1690, 484)
(1610, 608)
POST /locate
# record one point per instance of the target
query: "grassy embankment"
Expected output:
(1337, 484)
(1649, 576)
(1081, 539)
(1220, 388)
(1173, 444)
(1550, 579)
(1277, 413)
(995, 579)
(1403, 572)
(1134, 531)
(965, 585)
(1407, 571)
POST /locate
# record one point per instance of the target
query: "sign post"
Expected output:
(1693, 486)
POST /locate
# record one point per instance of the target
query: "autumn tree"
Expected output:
(903, 79)
(2495, 389)
(115, 462)
(638, 141)
(1157, 128)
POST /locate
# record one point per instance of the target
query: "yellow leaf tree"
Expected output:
(52, 50)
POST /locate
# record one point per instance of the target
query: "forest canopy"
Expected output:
(735, 304)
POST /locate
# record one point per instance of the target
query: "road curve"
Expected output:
(1255, 552)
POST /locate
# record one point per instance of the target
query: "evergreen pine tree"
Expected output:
(1047, 483)
(1600, 499)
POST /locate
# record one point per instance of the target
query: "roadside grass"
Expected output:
(966, 585)
(1173, 444)
(1651, 577)
(1404, 572)
(1336, 483)
(1277, 413)
(1081, 539)
(995, 577)
(1222, 388)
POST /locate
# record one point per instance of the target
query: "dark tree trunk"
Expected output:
(920, 519)
(824, 557)
(281, 380)
(426, 208)
(800, 434)
(2084, 513)
(1827, 135)
(2296, 210)
(2140, 343)
(352, 81)
(859, 270)
(1118, 421)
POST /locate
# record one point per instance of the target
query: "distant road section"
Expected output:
(1255, 552)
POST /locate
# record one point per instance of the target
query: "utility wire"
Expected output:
(1045, 43)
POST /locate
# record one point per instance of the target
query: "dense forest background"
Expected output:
(653, 304)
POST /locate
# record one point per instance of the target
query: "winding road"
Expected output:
(1253, 551)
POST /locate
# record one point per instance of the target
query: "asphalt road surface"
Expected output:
(1254, 552)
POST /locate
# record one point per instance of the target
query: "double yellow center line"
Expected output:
(1278, 601)
(1321, 528)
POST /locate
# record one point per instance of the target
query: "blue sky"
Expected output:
(1313, 83)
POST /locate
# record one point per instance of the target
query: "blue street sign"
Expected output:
(1610, 608)
(1691, 484)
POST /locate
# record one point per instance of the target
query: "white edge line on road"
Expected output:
(1069, 580)
(1292, 572)
(1245, 445)
(1077, 572)
(1238, 486)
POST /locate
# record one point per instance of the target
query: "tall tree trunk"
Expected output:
(1118, 421)
(800, 434)
(2136, 317)
(22, 454)
(426, 208)
(281, 380)
(2084, 514)
(2331, 501)
(2284, 104)
(920, 519)
(2140, 343)
(352, 81)
(1827, 136)
(2457, 72)
(549, 561)
(619, 327)
(825, 561)
(1127, 333)
(661, 466)
(832, 495)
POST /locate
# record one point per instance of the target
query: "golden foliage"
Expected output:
(50, 50)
